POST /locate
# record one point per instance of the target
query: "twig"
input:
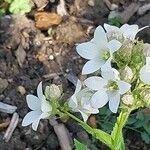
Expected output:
(108, 4)
(129, 12)
(142, 10)
(61, 9)
(7, 108)
(13, 124)
(62, 134)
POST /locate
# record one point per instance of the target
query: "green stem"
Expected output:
(117, 137)
(97, 133)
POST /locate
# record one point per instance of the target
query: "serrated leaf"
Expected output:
(80, 146)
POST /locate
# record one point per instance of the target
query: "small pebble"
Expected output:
(51, 57)
(21, 90)
(91, 3)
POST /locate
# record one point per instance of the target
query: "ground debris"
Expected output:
(4, 124)
(7, 108)
(13, 124)
(3, 84)
(44, 20)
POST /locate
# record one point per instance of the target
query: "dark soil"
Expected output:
(27, 57)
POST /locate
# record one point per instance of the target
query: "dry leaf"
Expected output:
(21, 55)
(4, 124)
(44, 20)
(92, 121)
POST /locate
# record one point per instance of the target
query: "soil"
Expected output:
(29, 55)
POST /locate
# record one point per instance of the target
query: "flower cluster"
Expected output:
(120, 76)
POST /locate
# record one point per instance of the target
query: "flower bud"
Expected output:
(128, 99)
(146, 97)
(127, 74)
(52, 92)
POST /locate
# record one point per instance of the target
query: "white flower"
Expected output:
(40, 108)
(109, 88)
(80, 102)
(145, 72)
(98, 51)
(126, 31)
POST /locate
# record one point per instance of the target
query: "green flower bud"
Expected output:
(126, 74)
(146, 97)
(128, 99)
(53, 92)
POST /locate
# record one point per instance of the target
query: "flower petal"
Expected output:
(95, 83)
(33, 102)
(40, 91)
(44, 115)
(35, 124)
(129, 31)
(92, 66)
(114, 102)
(87, 50)
(73, 102)
(145, 75)
(100, 37)
(31, 117)
(123, 86)
(110, 28)
(78, 86)
(109, 73)
(45, 106)
(113, 46)
(84, 115)
(99, 99)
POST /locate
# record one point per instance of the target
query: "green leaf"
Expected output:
(8, 1)
(80, 146)
(98, 134)
(131, 121)
(140, 116)
(145, 137)
(20, 7)
(138, 124)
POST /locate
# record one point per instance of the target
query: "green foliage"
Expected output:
(116, 21)
(20, 7)
(80, 146)
(140, 123)
(8, 1)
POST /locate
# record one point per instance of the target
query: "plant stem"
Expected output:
(117, 137)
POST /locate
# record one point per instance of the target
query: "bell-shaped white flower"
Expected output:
(126, 31)
(80, 102)
(108, 88)
(40, 108)
(98, 51)
(145, 72)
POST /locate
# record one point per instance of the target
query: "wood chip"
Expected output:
(44, 20)
(12, 126)
(7, 108)
(62, 134)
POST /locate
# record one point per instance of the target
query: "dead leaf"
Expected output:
(21, 55)
(44, 20)
(4, 124)
(92, 121)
